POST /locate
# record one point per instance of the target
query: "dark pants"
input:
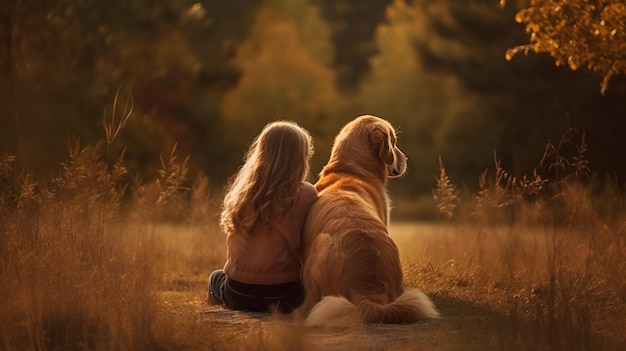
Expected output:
(251, 297)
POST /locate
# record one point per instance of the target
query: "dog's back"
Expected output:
(353, 268)
(352, 271)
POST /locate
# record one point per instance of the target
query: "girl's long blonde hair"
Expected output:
(266, 185)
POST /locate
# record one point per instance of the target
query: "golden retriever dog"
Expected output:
(351, 267)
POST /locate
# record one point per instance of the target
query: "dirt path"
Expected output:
(472, 309)
(463, 326)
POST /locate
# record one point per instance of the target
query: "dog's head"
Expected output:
(370, 143)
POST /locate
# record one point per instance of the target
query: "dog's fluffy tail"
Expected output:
(410, 307)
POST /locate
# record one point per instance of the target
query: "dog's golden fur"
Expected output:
(352, 271)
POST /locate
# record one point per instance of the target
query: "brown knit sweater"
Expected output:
(267, 257)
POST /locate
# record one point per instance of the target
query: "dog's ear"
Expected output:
(382, 142)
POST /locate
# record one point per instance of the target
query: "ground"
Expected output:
(488, 313)
(462, 322)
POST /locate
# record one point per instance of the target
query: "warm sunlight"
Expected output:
(489, 190)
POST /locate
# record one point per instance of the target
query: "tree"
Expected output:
(424, 103)
(39, 57)
(353, 24)
(577, 33)
(285, 72)
(62, 61)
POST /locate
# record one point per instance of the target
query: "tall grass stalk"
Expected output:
(537, 249)
(76, 271)
(98, 259)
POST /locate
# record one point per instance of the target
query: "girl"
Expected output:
(263, 217)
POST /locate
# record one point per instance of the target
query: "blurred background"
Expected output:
(207, 75)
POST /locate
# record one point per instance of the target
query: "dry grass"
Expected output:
(97, 260)
(83, 257)
(537, 251)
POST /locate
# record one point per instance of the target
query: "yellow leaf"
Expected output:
(508, 56)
